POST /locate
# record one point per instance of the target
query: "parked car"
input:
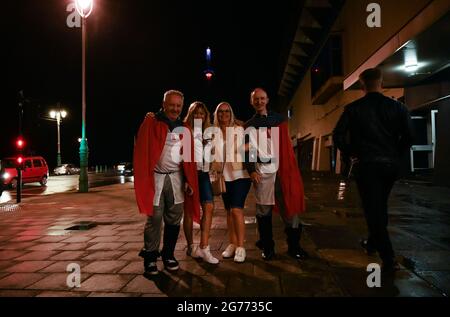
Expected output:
(66, 169)
(125, 169)
(35, 169)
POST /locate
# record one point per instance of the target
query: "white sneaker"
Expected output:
(240, 255)
(229, 251)
(206, 255)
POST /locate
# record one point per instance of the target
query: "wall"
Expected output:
(419, 96)
(360, 41)
(442, 167)
(320, 120)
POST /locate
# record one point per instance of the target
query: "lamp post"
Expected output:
(84, 8)
(58, 115)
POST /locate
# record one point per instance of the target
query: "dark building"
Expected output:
(335, 41)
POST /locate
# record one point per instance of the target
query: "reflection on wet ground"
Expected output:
(61, 184)
(419, 224)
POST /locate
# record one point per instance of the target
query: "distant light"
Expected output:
(20, 143)
(208, 52)
(63, 113)
(209, 75)
(6, 176)
(53, 114)
(316, 70)
(20, 160)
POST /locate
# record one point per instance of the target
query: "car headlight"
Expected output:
(6, 176)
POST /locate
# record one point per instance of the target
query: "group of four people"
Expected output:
(168, 188)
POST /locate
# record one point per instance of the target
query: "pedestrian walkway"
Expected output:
(38, 242)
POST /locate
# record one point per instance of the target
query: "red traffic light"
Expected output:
(19, 160)
(20, 143)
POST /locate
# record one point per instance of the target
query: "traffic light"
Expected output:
(19, 161)
(20, 143)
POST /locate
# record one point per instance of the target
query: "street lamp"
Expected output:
(58, 115)
(84, 8)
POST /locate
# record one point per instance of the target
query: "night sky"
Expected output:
(136, 50)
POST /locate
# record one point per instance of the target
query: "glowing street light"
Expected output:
(84, 8)
(209, 73)
(58, 115)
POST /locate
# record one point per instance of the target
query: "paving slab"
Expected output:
(28, 266)
(35, 249)
(105, 283)
(20, 280)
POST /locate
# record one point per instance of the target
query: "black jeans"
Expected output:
(375, 181)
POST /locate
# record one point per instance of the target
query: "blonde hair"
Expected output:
(232, 119)
(189, 119)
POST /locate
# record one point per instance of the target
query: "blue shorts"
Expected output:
(205, 188)
(236, 194)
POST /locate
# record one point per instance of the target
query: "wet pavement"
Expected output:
(63, 183)
(36, 247)
(419, 228)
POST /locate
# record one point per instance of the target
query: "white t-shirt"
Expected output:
(169, 165)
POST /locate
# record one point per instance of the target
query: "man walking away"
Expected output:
(374, 131)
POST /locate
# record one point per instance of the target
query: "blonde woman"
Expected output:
(199, 111)
(237, 183)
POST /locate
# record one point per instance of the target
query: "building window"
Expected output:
(328, 63)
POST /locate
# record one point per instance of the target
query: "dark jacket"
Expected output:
(374, 128)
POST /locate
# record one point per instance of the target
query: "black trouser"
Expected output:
(293, 225)
(375, 181)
